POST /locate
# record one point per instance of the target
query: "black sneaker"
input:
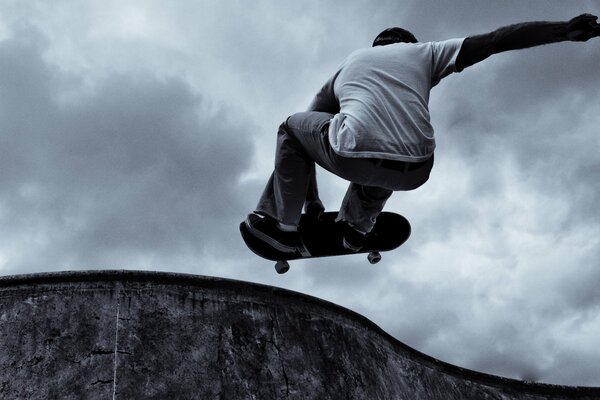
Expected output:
(353, 240)
(265, 228)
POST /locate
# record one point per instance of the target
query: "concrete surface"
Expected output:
(150, 335)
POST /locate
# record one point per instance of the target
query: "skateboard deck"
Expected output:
(323, 238)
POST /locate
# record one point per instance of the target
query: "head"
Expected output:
(394, 35)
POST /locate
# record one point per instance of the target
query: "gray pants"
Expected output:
(303, 140)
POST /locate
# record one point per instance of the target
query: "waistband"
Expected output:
(406, 166)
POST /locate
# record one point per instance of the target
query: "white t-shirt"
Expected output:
(383, 93)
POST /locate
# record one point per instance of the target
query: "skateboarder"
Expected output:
(370, 125)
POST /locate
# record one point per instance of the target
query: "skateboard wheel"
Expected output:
(282, 267)
(374, 257)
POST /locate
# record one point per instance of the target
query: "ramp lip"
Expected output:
(171, 278)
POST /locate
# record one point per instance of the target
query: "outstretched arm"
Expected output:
(520, 36)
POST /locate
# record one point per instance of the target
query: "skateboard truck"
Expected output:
(283, 266)
(374, 257)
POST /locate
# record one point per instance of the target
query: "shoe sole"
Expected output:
(269, 240)
(350, 247)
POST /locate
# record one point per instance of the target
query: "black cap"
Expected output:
(394, 35)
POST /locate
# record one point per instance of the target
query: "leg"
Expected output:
(361, 206)
(293, 181)
(287, 187)
(313, 205)
(363, 203)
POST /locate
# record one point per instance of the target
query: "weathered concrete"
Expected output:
(129, 335)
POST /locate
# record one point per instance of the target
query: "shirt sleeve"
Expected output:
(326, 100)
(444, 58)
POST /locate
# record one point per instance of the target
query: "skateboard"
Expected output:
(322, 237)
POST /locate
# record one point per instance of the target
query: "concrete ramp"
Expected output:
(148, 335)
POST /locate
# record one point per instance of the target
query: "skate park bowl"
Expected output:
(153, 335)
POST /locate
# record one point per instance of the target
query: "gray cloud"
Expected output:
(133, 166)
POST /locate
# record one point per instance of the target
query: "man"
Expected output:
(370, 125)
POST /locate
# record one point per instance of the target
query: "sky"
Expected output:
(139, 134)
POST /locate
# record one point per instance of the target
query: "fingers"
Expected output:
(584, 20)
(595, 27)
(588, 17)
(584, 27)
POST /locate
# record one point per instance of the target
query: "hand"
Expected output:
(583, 28)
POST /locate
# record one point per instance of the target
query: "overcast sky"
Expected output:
(138, 134)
